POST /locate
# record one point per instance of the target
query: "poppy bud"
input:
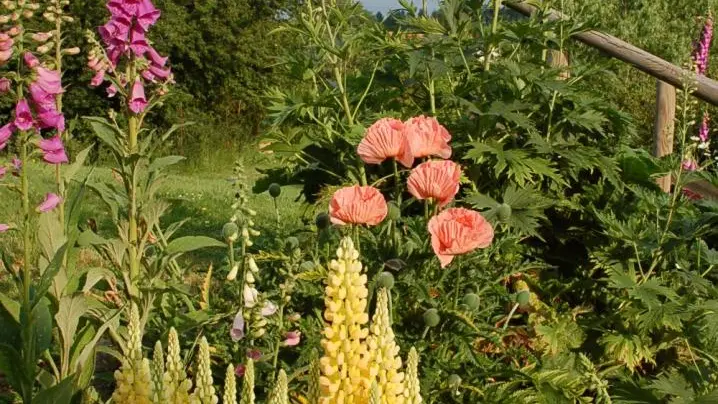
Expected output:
(503, 212)
(230, 231)
(394, 211)
(472, 301)
(322, 221)
(275, 190)
(431, 318)
(385, 280)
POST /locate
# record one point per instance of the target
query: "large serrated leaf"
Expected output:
(191, 243)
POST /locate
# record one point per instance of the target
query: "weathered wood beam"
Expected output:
(664, 126)
(705, 88)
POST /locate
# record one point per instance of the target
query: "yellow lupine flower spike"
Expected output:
(158, 372)
(134, 379)
(204, 392)
(344, 366)
(385, 359)
(248, 384)
(230, 387)
(175, 383)
(412, 393)
(280, 392)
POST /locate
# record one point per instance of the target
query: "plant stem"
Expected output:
(132, 236)
(494, 30)
(457, 287)
(27, 234)
(276, 211)
(275, 357)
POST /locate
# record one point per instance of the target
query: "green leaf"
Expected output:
(72, 169)
(164, 162)
(11, 306)
(10, 366)
(69, 312)
(61, 393)
(191, 243)
(89, 238)
(106, 132)
(43, 326)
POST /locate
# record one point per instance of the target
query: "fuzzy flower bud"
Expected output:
(280, 392)
(411, 391)
(248, 384)
(345, 364)
(204, 392)
(385, 360)
(71, 51)
(232, 275)
(230, 387)
(41, 36)
(253, 265)
(175, 384)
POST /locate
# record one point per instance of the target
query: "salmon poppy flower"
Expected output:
(458, 231)
(437, 180)
(383, 140)
(427, 137)
(358, 205)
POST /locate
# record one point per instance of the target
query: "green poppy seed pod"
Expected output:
(322, 221)
(292, 242)
(472, 301)
(307, 266)
(454, 380)
(432, 318)
(385, 280)
(394, 211)
(275, 190)
(523, 298)
(230, 232)
(503, 212)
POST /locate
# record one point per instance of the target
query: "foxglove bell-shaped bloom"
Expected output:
(437, 180)
(49, 80)
(427, 137)
(5, 134)
(358, 205)
(138, 43)
(292, 338)
(111, 91)
(251, 295)
(237, 331)
(53, 150)
(147, 14)
(16, 163)
(23, 116)
(51, 118)
(138, 102)
(269, 309)
(51, 201)
(98, 78)
(155, 58)
(30, 60)
(383, 140)
(5, 85)
(458, 231)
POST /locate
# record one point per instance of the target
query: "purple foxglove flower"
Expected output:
(138, 43)
(53, 149)
(117, 9)
(701, 49)
(5, 56)
(98, 78)
(111, 90)
(269, 309)
(23, 116)
(251, 295)
(16, 163)
(292, 338)
(5, 85)
(5, 133)
(147, 14)
(51, 118)
(30, 60)
(160, 72)
(49, 80)
(115, 31)
(155, 57)
(51, 201)
(6, 42)
(4, 228)
(237, 331)
(254, 354)
(240, 370)
(147, 75)
(703, 133)
(138, 102)
(690, 165)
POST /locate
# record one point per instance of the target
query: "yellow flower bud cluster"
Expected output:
(134, 380)
(248, 385)
(411, 391)
(204, 392)
(280, 392)
(385, 359)
(230, 387)
(158, 372)
(175, 384)
(243, 215)
(344, 366)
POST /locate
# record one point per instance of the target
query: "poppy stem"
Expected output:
(457, 287)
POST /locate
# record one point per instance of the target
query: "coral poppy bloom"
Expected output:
(437, 180)
(458, 231)
(386, 139)
(358, 205)
(427, 137)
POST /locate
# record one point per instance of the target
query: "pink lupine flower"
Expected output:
(237, 331)
(4, 228)
(5, 134)
(138, 102)
(53, 150)
(23, 116)
(292, 338)
(51, 201)
(30, 60)
(5, 85)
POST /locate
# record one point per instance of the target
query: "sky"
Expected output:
(386, 5)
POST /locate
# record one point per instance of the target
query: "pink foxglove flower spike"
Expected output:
(51, 201)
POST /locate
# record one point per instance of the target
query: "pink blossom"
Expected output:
(701, 49)
(51, 118)
(704, 130)
(6, 42)
(3, 171)
(690, 165)
(51, 201)
(41, 36)
(53, 149)
(4, 228)
(5, 56)
(41, 97)
(254, 354)
(16, 163)
(5, 85)
(138, 43)
(292, 338)
(138, 102)
(240, 370)
(23, 116)
(30, 60)
(49, 80)
(111, 90)
(147, 14)
(269, 309)
(5, 133)
(237, 331)
(155, 57)
(98, 78)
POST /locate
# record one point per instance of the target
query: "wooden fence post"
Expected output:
(664, 126)
(559, 60)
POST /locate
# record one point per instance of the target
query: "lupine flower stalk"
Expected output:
(280, 392)
(158, 372)
(248, 384)
(204, 392)
(230, 387)
(315, 374)
(345, 364)
(412, 388)
(175, 384)
(134, 379)
(385, 359)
